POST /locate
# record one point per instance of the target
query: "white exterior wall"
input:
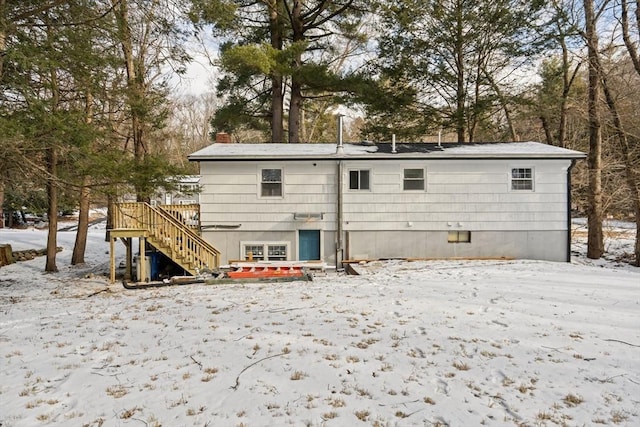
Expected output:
(459, 195)
(475, 193)
(385, 221)
(231, 196)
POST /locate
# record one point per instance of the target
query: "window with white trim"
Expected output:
(458, 236)
(265, 251)
(359, 179)
(522, 179)
(413, 179)
(271, 183)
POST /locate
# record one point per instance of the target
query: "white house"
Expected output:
(386, 200)
(186, 192)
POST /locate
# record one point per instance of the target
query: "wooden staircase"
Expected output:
(172, 230)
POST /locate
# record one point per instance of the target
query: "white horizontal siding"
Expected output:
(475, 193)
(307, 188)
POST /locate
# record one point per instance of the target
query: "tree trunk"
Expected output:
(295, 109)
(296, 101)
(503, 103)
(629, 165)
(567, 82)
(52, 194)
(135, 86)
(1, 202)
(277, 93)
(80, 245)
(595, 243)
(3, 34)
(547, 130)
(459, 115)
(626, 36)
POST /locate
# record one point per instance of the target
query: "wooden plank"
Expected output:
(6, 255)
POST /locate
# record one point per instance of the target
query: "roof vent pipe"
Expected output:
(440, 138)
(393, 143)
(340, 147)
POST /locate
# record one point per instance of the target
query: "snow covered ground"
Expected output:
(446, 343)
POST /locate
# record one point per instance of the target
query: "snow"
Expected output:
(458, 343)
(369, 150)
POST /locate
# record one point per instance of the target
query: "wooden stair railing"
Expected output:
(168, 234)
(188, 215)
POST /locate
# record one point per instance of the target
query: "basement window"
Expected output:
(522, 179)
(265, 251)
(413, 179)
(359, 179)
(271, 183)
(459, 237)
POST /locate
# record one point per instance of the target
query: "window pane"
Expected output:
(271, 190)
(353, 180)
(277, 252)
(521, 185)
(271, 175)
(364, 180)
(359, 180)
(414, 173)
(459, 237)
(413, 179)
(521, 173)
(413, 185)
(254, 252)
(521, 179)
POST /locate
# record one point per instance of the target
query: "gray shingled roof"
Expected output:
(383, 151)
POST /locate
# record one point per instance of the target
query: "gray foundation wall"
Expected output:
(539, 245)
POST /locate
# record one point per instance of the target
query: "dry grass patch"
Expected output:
(461, 366)
(128, 413)
(297, 375)
(618, 417)
(117, 391)
(362, 415)
(337, 403)
(572, 400)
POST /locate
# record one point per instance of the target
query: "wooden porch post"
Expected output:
(128, 242)
(112, 256)
(142, 262)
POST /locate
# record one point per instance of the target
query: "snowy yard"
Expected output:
(447, 343)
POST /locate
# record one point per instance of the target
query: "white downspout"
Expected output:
(340, 171)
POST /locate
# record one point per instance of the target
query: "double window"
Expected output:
(522, 179)
(413, 179)
(271, 183)
(260, 251)
(359, 180)
(459, 237)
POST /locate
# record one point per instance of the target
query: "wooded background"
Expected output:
(92, 105)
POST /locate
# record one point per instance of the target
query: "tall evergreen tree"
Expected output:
(457, 56)
(275, 45)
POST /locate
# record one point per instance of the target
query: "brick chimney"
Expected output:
(223, 138)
